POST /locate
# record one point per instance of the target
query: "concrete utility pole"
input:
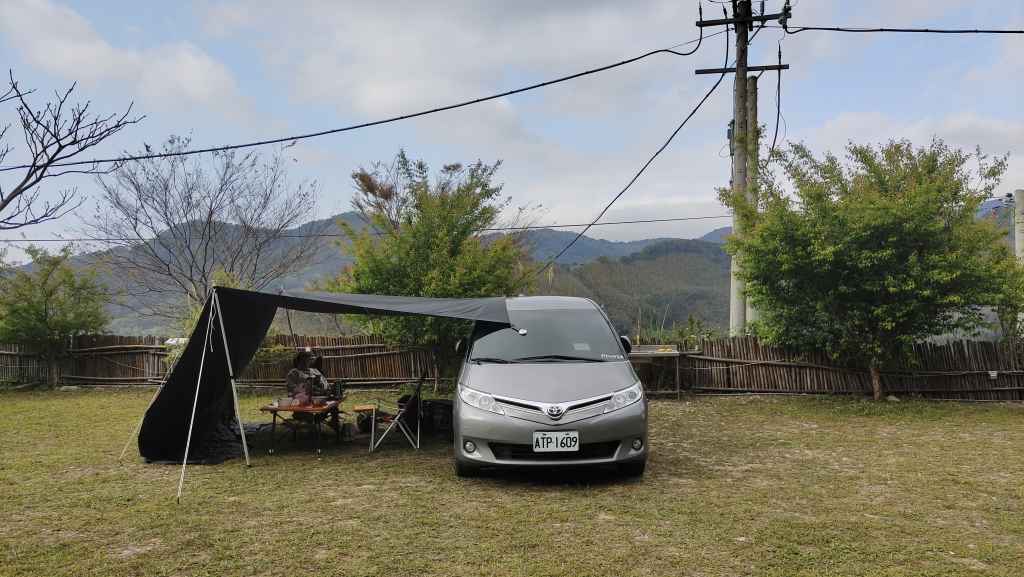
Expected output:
(1018, 224)
(737, 298)
(753, 143)
(744, 142)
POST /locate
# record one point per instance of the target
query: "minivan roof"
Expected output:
(548, 303)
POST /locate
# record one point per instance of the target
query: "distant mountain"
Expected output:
(993, 206)
(718, 235)
(658, 281)
(542, 245)
(545, 243)
(657, 287)
(125, 319)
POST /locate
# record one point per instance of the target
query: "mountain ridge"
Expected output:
(542, 244)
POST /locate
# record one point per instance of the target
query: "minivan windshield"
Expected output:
(553, 335)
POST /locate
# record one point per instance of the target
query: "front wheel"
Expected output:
(466, 470)
(633, 469)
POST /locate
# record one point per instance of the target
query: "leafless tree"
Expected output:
(54, 135)
(175, 226)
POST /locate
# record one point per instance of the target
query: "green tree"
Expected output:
(45, 305)
(1009, 306)
(864, 258)
(427, 237)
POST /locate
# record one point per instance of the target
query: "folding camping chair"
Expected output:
(406, 419)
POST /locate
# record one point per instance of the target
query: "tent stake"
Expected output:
(195, 403)
(231, 377)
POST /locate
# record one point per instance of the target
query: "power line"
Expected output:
(778, 108)
(642, 168)
(336, 235)
(800, 29)
(408, 116)
(704, 36)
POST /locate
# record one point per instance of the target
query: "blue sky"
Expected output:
(232, 71)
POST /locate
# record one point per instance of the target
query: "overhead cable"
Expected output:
(297, 137)
(642, 168)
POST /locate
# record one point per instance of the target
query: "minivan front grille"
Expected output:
(588, 403)
(574, 411)
(522, 452)
(519, 404)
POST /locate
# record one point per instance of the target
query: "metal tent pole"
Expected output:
(231, 377)
(195, 403)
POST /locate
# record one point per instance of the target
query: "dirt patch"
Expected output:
(133, 550)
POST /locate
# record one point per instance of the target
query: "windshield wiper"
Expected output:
(490, 360)
(560, 358)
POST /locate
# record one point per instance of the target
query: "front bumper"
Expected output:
(504, 440)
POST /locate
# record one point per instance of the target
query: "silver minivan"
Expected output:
(554, 389)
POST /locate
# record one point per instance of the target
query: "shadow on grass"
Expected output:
(560, 477)
(303, 442)
(439, 449)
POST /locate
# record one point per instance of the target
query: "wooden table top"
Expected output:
(328, 406)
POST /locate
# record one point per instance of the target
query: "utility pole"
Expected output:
(753, 153)
(1018, 224)
(737, 298)
(744, 141)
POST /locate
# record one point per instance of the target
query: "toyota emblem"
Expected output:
(555, 412)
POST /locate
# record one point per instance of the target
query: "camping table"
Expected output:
(647, 353)
(320, 414)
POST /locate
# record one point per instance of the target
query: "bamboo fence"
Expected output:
(964, 370)
(19, 365)
(111, 360)
(357, 360)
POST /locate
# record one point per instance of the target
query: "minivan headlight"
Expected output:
(625, 397)
(479, 400)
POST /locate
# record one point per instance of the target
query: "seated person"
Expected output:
(304, 381)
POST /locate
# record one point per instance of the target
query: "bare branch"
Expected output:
(56, 133)
(186, 220)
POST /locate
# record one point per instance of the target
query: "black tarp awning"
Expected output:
(242, 323)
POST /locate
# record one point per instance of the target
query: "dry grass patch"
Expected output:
(735, 486)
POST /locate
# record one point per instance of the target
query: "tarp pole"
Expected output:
(195, 403)
(231, 376)
(288, 315)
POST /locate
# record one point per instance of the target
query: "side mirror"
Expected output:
(458, 345)
(626, 344)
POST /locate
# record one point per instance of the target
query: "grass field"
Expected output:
(735, 486)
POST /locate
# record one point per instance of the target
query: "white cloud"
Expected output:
(373, 60)
(570, 147)
(1006, 71)
(381, 58)
(174, 76)
(965, 130)
(220, 20)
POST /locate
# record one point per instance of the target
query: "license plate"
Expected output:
(556, 441)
